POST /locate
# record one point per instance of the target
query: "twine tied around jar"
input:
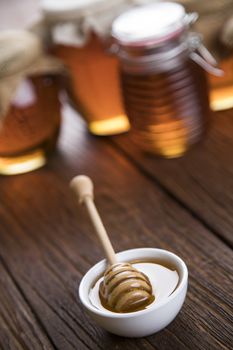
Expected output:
(21, 55)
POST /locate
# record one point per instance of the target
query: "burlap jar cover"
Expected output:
(21, 55)
(72, 22)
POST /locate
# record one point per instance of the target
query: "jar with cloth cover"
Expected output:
(29, 102)
(80, 32)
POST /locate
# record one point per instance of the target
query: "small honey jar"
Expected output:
(29, 103)
(163, 78)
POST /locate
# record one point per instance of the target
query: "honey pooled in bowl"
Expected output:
(163, 278)
(125, 289)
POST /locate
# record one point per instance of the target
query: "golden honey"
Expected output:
(30, 129)
(221, 88)
(94, 86)
(168, 111)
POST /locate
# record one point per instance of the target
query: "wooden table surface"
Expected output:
(47, 245)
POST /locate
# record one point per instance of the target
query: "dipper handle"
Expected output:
(82, 187)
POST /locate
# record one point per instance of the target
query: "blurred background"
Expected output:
(66, 55)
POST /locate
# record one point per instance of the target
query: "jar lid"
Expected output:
(149, 23)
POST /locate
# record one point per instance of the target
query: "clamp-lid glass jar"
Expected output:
(163, 82)
(29, 102)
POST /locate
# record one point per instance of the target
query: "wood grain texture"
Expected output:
(47, 249)
(20, 328)
(202, 180)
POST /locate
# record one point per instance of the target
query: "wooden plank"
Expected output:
(19, 327)
(47, 249)
(49, 275)
(38, 260)
(202, 180)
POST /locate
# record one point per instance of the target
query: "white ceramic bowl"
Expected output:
(144, 322)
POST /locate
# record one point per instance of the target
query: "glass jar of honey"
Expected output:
(80, 31)
(93, 86)
(221, 88)
(163, 82)
(29, 103)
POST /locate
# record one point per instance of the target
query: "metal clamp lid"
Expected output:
(202, 56)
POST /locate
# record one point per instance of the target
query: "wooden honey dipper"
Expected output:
(124, 288)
